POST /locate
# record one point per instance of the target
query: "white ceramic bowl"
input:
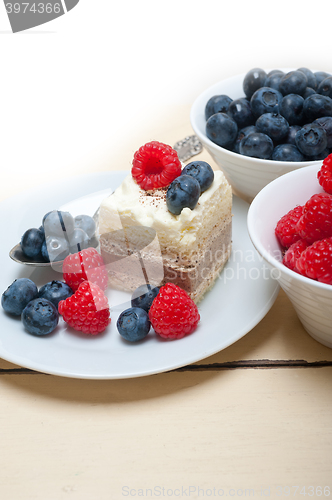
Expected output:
(246, 175)
(312, 300)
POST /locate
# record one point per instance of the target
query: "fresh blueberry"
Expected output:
(308, 91)
(273, 80)
(291, 108)
(294, 82)
(265, 100)
(316, 106)
(320, 76)
(254, 79)
(54, 291)
(40, 317)
(311, 79)
(44, 252)
(31, 242)
(183, 192)
(217, 104)
(292, 131)
(242, 133)
(221, 129)
(143, 297)
(240, 111)
(325, 87)
(78, 240)
(57, 248)
(133, 324)
(86, 223)
(311, 140)
(257, 145)
(275, 72)
(201, 171)
(326, 123)
(58, 223)
(18, 295)
(286, 152)
(320, 156)
(273, 125)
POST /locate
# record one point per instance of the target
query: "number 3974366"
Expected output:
(35, 8)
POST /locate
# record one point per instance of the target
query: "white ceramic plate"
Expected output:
(241, 297)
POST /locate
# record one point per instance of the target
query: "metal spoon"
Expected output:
(186, 149)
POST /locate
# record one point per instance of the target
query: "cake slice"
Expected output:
(142, 241)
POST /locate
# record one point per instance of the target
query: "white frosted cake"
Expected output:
(142, 241)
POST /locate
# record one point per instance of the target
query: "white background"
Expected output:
(73, 91)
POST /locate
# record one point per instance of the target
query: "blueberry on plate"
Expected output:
(265, 100)
(57, 248)
(326, 123)
(291, 108)
(40, 317)
(18, 295)
(319, 156)
(325, 87)
(294, 82)
(58, 223)
(183, 192)
(292, 131)
(311, 140)
(253, 80)
(201, 171)
(317, 106)
(143, 296)
(286, 152)
(222, 130)
(54, 291)
(242, 133)
(86, 223)
(217, 104)
(240, 111)
(133, 324)
(78, 240)
(31, 242)
(257, 145)
(311, 78)
(273, 125)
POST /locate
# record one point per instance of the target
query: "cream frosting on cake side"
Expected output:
(194, 245)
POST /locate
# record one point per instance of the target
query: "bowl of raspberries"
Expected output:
(290, 225)
(262, 124)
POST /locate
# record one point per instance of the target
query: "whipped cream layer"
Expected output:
(130, 205)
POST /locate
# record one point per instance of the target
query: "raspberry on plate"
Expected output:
(286, 230)
(316, 261)
(325, 175)
(173, 313)
(316, 220)
(155, 165)
(87, 310)
(293, 253)
(87, 265)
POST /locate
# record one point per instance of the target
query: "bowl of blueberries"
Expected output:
(262, 124)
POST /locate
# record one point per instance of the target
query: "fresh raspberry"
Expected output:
(316, 261)
(325, 175)
(293, 253)
(86, 265)
(316, 220)
(285, 230)
(87, 310)
(173, 314)
(155, 165)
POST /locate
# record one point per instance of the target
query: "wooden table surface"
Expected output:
(253, 420)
